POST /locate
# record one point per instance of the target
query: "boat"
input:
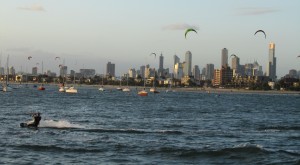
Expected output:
(102, 88)
(62, 89)
(154, 90)
(120, 88)
(126, 89)
(72, 89)
(5, 86)
(143, 93)
(41, 87)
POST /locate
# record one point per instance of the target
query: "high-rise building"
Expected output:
(12, 71)
(63, 71)
(235, 65)
(209, 71)
(224, 58)
(34, 70)
(1, 71)
(187, 70)
(161, 65)
(271, 67)
(196, 72)
(142, 71)
(176, 59)
(293, 73)
(110, 69)
(178, 71)
(132, 73)
(87, 72)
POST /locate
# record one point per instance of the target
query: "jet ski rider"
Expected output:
(36, 118)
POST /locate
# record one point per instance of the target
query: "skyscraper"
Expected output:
(196, 72)
(209, 71)
(271, 67)
(161, 65)
(224, 58)
(110, 69)
(187, 70)
(176, 59)
(235, 65)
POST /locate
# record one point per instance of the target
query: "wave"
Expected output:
(280, 128)
(131, 131)
(58, 124)
(52, 148)
(235, 151)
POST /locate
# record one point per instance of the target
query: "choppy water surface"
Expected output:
(114, 127)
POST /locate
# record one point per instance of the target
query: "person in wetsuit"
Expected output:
(35, 121)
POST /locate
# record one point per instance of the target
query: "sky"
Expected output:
(89, 33)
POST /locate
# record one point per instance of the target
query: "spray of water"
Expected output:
(58, 124)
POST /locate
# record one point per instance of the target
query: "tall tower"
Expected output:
(110, 69)
(196, 72)
(176, 60)
(188, 64)
(210, 71)
(235, 65)
(224, 58)
(271, 67)
(161, 65)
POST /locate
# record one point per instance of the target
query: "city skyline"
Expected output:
(101, 31)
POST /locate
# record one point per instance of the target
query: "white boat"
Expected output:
(71, 90)
(101, 89)
(127, 89)
(61, 89)
(5, 87)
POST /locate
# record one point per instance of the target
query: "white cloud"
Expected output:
(180, 26)
(255, 11)
(35, 7)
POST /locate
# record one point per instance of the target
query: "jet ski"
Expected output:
(34, 123)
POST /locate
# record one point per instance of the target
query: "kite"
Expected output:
(57, 57)
(189, 30)
(154, 54)
(29, 57)
(261, 32)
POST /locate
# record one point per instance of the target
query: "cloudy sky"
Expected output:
(89, 33)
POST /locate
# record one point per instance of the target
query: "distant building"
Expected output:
(63, 70)
(34, 71)
(87, 72)
(196, 72)
(235, 65)
(132, 73)
(176, 60)
(12, 71)
(217, 77)
(224, 58)
(161, 65)
(209, 71)
(142, 71)
(271, 66)
(187, 70)
(110, 69)
(2, 71)
(178, 71)
(293, 73)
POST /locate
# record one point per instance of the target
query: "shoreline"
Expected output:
(203, 90)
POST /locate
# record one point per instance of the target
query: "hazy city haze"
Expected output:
(88, 34)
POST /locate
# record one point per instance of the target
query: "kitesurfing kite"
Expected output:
(261, 32)
(29, 57)
(298, 56)
(153, 54)
(189, 30)
(57, 57)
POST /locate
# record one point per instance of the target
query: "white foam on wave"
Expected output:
(248, 145)
(58, 124)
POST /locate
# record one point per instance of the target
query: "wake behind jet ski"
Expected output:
(34, 123)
